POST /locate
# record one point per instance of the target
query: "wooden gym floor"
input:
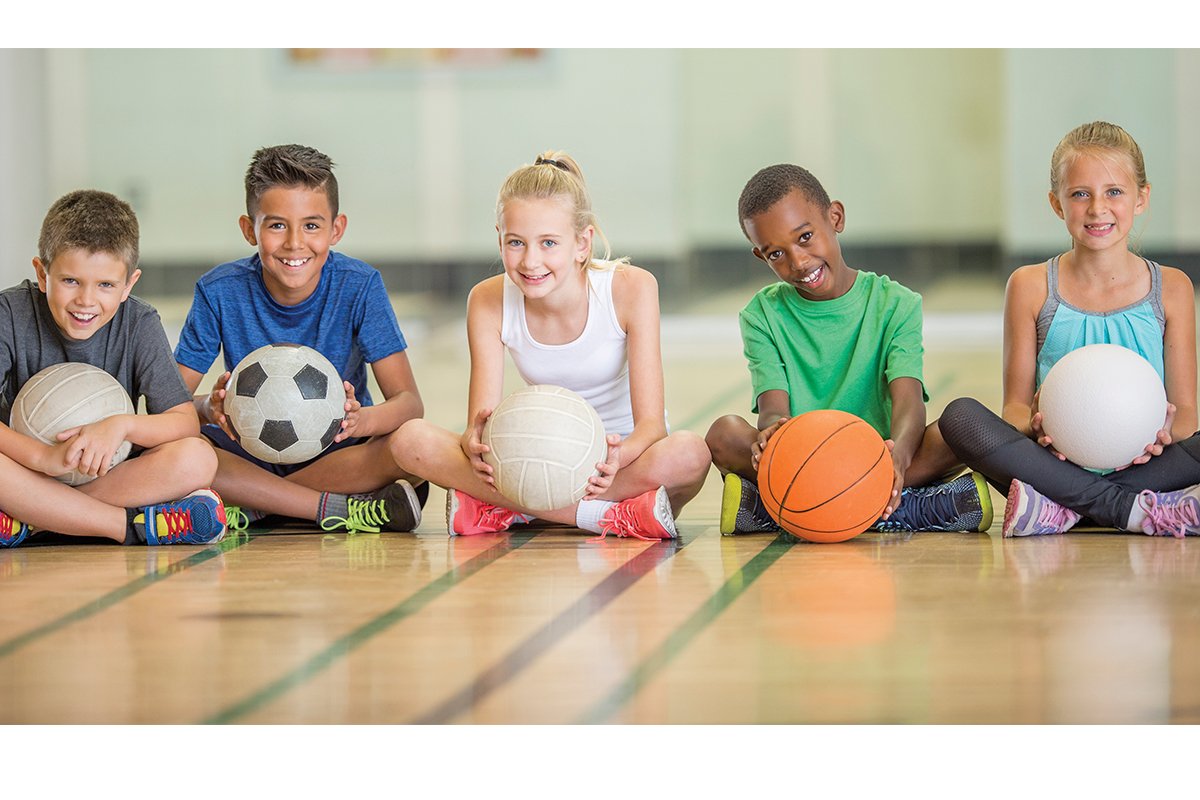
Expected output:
(297, 626)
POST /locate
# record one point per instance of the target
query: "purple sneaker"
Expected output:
(1173, 513)
(1030, 513)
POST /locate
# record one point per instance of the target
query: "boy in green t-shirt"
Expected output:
(830, 336)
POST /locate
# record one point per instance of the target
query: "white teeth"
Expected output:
(294, 262)
(84, 317)
(812, 276)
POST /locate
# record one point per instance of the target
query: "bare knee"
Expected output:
(729, 439)
(413, 442)
(193, 459)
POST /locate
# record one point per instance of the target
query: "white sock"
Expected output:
(1137, 515)
(589, 513)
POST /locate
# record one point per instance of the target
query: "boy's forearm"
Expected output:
(25, 450)
(389, 415)
(151, 430)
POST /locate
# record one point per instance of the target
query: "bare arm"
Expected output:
(635, 293)
(403, 402)
(1023, 298)
(1179, 351)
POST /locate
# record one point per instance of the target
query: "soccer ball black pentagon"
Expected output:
(285, 402)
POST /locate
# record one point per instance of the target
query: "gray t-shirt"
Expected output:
(132, 347)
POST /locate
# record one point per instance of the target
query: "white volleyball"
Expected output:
(285, 402)
(1101, 405)
(545, 443)
(66, 396)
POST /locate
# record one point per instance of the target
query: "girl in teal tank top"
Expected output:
(1098, 292)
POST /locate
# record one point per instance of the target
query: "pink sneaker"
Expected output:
(1030, 513)
(1174, 513)
(647, 516)
(467, 516)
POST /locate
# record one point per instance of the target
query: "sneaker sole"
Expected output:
(731, 499)
(1010, 509)
(451, 510)
(663, 513)
(985, 502)
(413, 502)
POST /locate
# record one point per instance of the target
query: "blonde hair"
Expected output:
(1098, 138)
(554, 175)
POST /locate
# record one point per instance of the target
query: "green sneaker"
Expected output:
(742, 510)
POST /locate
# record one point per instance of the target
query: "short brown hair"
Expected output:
(90, 220)
(289, 165)
(771, 184)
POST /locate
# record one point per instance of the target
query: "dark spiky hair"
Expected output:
(771, 184)
(92, 221)
(289, 165)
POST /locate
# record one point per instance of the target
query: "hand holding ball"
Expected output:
(65, 396)
(825, 476)
(1101, 405)
(545, 442)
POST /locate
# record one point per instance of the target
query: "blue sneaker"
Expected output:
(1030, 513)
(198, 518)
(962, 504)
(12, 531)
(742, 510)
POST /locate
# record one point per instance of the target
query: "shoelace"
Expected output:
(1171, 517)
(11, 531)
(179, 522)
(1054, 518)
(362, 516)
(236, 519)
(620, 520)
(495, 518)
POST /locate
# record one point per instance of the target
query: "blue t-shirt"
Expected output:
(348, 318)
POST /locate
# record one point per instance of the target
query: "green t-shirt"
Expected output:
(839, 353)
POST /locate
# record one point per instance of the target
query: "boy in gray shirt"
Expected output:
(80, 310)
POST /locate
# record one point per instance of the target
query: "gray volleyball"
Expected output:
(66, 396)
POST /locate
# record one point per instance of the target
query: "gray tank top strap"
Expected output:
(1046, 315)
(1053, 299)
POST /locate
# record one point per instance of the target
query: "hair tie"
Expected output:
(552, 163)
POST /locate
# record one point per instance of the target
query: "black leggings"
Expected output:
(988, 444)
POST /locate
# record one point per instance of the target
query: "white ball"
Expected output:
(1101, 405)
(66, 396)
(285, 402)
(545, 443)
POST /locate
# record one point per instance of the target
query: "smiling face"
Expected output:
(798, 241)
(1098, 198)
(293, 229)
(539, 246)
(84, 290)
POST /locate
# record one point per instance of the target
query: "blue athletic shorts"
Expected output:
(222, 441)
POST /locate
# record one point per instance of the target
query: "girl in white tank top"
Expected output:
(570, 320)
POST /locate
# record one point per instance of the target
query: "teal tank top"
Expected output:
(1062, 328)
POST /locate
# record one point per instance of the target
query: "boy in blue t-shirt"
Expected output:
(80, 311)
(297, 290)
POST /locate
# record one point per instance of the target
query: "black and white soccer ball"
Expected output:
(285, 402)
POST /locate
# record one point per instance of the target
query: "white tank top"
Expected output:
(595, 365)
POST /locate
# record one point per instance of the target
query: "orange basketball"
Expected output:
(825, 476)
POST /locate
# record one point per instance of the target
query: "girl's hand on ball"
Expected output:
(1035, 422)
(605, 470)
(352, 409)
(473, 446)
(756, 449)
(1163, 439)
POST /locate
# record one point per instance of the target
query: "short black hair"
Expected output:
(289, 165)
(771, 184)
